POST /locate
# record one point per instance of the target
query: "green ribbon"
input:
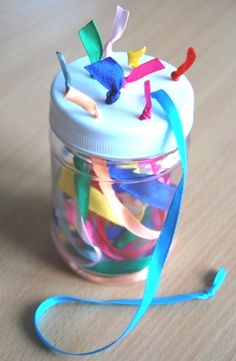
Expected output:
(91, 40)
(82, 185)
(120, 267)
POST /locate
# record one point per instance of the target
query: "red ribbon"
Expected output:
(190, 58)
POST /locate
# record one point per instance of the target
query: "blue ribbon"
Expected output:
(158, 257)
(110, 74)
(64, 69)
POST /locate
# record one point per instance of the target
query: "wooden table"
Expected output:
(31, 32)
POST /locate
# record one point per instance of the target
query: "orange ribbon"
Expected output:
(83, 100)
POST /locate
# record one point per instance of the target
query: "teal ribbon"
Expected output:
(158, 257)
(91, 40)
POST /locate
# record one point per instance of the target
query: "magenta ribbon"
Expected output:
(147, 111)
(143, 70)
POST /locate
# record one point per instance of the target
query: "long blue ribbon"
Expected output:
(157, 260)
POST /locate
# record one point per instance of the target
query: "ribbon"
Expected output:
(91, 40)
(158, 257)
(64, 69)
(110, 74)
(153, 193)
(97, 201)
(126, 218)
(84, 101)
(160, 197)
(102, 242)
(190, 58)
(99, 205)
(91, 255)
(134, 56)
(82, 187)
(147, 111)
(144, 69)
(124, 267)
(51, 302)
(74, 95)
(118, 27)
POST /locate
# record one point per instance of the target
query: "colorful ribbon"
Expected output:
(157, 259)
(118, 27)
(74, 95)
(190, 58)
(147, 111)
(64, 69)
(126, 218)
(134, 56)
(143, 70)
(88, 256)
(110, 74)
(91, 40)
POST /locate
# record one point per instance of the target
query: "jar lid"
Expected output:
(118, 133)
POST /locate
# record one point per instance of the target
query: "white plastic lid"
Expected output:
(119, 134)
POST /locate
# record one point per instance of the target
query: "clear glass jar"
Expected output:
(107, 215)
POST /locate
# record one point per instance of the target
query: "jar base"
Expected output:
(97, 278)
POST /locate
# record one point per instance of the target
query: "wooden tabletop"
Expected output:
(31, 32)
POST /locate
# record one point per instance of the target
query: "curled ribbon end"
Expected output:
(174, 76)
(146, 114)
(97, 114)
(216, 284)
(112, 97)
(190, 58)
(219, 279)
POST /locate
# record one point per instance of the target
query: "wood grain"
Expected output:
(31, 32)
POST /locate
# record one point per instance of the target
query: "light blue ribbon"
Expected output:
(158, 257)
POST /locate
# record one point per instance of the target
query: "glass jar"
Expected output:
(113, 174)
(108, 214)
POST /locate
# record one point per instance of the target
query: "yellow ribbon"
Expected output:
(97, 201)
(134, 56)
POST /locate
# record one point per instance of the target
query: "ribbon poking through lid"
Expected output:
(110, 74)
(91, 41)
(118, 27)
(74, 95)
(190, 58)
(134, 56)
(64, 69)
(147, 111)
(144, 69)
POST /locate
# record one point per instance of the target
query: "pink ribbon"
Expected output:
(118, 27)
(147, 111)
(144, 69)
